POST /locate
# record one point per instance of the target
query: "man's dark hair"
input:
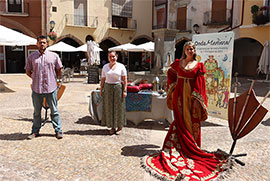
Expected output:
(42, 37)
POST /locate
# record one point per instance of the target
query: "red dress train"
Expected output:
(181, 156)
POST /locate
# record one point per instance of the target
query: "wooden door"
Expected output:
(219, 11)
(182, 18)
(161, 18)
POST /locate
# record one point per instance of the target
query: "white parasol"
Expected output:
(264, 63)
(83, 48)
(145, 47)
(9, 37)
(123, 47)
(62, 47)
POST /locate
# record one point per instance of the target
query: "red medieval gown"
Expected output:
(181, 156)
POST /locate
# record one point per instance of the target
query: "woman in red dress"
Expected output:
(181, 156)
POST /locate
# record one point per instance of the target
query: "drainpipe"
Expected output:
(45, 19)
(230, 26)
(242, 18)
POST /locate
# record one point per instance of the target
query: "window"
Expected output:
(119, 22)
(54, 9)
(267, 8)
(80, 12)
(160, 17)
(14, 5)
(219, 11)
(181, 18)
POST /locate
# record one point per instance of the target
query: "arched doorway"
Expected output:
(179, 49)
(72, 59)
(246, 56)
(105, 45)
(137, 60)
(15, 58)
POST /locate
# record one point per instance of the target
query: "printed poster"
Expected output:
(215, 50)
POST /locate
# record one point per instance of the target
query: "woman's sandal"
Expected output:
(118, 130)
(112, 131)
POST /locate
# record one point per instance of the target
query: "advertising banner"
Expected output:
(215, 50)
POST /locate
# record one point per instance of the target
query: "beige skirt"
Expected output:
(114, 106)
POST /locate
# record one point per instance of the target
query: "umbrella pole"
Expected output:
(236, 84)
(244, 106)
(233, 146)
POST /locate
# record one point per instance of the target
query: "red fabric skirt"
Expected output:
(178, 159)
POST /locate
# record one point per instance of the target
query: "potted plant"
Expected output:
(258, 17)
(52, 35)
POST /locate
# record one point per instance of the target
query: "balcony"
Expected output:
(79, 20)
(122, 23)
(159, 26)
(185, 27)
(14, 9)
(217, 17)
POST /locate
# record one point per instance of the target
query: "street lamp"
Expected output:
(52, 25)
(196, 28)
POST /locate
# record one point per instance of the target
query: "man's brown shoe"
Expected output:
(59, 135)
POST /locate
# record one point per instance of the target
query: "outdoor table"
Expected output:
(139, 106)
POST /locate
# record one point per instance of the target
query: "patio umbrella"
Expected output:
(123, 47)
(244, 114)
(9, 37)
(83, 48)
(145, 47)
(264, 62)
(62, 47)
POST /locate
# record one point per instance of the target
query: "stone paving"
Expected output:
(87, 152)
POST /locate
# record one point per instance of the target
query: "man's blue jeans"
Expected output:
(51, 99)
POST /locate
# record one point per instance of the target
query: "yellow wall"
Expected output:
(260, 33)
(247, 10)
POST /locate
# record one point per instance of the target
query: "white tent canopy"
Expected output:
(123, 47)
(83, 48)
(9, 37)
(264, 62)
(62, 47)
(145, 47)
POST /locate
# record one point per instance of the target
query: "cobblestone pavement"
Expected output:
(87, 152)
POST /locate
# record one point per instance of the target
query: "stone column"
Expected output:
(164, 50)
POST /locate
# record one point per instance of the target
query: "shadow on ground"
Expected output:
(20, 136)
(88, 132)
(147, 124)
(140, 150)
(87, 120)
(13, 136)
(266, 122)
(25, 119)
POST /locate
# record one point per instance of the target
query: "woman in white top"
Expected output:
(113, 89)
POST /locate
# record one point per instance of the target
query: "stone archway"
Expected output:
(71, 59)
(105, 45)
(179, 45)
(246, 56)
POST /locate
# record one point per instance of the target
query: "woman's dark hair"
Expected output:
(113, 52)
(189, 43)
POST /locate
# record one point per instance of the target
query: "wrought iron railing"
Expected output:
(14, 9)
(159, 26)
(131, 24)
(79, 20)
